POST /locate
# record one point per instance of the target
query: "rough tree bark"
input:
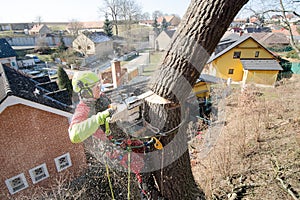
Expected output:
(203, 25)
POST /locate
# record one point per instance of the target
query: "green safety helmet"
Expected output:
(84, 80)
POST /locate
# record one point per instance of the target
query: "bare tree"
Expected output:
(112, 9)
(146, 16)
(129, 11)
(41, 45)
(75, 26)
(281, 8)
(203, 25)
(156, 14)
(39, 19)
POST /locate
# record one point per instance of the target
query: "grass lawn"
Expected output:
(45, 58)
(155, 60)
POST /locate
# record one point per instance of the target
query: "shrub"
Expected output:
(292, 54)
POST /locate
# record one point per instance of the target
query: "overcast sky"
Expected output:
(66, 10)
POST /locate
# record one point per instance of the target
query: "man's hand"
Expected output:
(112, 108)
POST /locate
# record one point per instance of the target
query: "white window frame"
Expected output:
(34, 177)
(10, 187)
(58, 164)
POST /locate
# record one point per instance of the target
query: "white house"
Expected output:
(93, 44)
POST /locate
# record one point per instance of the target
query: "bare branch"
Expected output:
(298, 15)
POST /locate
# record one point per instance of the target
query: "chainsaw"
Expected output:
(129, 117)
(129, 114)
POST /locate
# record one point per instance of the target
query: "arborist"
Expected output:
(93, 111)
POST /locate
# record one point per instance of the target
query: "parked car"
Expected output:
(34, 57)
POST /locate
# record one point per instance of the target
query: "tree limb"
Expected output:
(287, 187)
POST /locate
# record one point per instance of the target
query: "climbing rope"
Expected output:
(109, 181)
(162, 173)
(128, 176)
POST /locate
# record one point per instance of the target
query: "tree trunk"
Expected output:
(203, 25)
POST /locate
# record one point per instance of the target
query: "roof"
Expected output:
(147, 21)
(37, 28)
(286, 32)
(6, 50)
(93, 24)
(253, 29)
(15, 83)
(86, 25)
(239, 20)
(240, 40)
(210, 79)
(170, 33)
(97, 37)
(50, 86)
(261, 64)
(168, 18)
(274, 38)
(42, 79)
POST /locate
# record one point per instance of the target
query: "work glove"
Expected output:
(112, 108)
(111, 111)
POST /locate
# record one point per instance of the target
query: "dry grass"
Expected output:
(258, 152)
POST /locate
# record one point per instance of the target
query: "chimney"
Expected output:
(116, 73)
(241, 33)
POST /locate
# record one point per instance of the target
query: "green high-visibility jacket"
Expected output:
(83, 124)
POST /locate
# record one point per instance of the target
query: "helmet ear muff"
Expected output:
(80, 84)
(85, 92)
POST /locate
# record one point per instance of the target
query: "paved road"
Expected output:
(142, 59)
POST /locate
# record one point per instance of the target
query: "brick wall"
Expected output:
(30, 137)
(107, 76)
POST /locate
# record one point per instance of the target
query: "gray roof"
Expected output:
(170, 33)
(261, 64)
(97, 37)
(15, 83)
(232, 37)
(6, 50)
(239, 41)
(210, 79)
(275, 39)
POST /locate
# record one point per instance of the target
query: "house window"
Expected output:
(256, 54)
(39, 173)
(88, 47)
(63, 162)
(230, 71)
(237, 54)
(79, 47)
(16, 183)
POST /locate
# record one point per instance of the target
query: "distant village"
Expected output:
(250, 52)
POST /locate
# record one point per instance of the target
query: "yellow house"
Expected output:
(203, 85)
(246, 61)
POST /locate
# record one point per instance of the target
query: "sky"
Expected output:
(14, 11)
